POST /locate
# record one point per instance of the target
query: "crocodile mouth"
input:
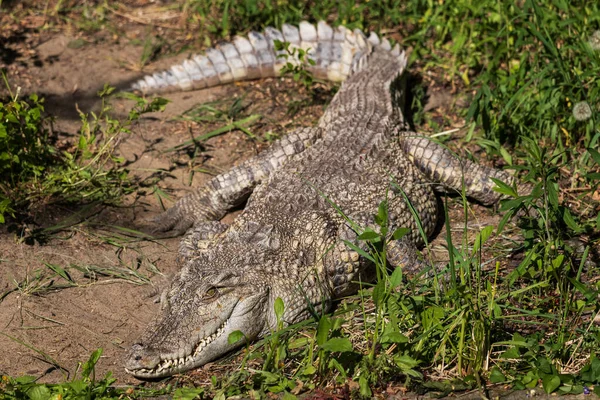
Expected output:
(171, 346)
(168, 365)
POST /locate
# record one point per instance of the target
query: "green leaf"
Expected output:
(379, 293)
(552, 189)
(595, 155)
(309, 370)
(405, 362)
(298, 343)
(570, 221)
(550, 383)
(90, 364)
(558, 262)
(506, 156)
(337, 323)
(39, 392)
(25, 379)
(280, 387)
(530, 380)
(591, 372)
(503, 188)
(364, 389)
(235, 337)
(496, 376)
(60, 272)
(106, 90)
(497, 311)
(393, 337)
(337, 344)
(400, 232)
(335, 364)
(396, 278)
(187, 393)
(432, 316)
(545, 366)
(78, 385)
(482, 237)
(382, 214)
(279, 308)
(323, 330)
(82, 142)
(369, 235)
(288, 396)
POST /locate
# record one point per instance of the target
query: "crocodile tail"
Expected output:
(336, 52)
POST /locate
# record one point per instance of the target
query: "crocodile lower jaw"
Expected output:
(170, 365)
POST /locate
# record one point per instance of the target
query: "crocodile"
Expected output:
(308, 196)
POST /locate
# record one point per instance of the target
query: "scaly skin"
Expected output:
(288, 242)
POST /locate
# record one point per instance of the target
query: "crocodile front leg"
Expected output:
(231, 188)
(441, 166)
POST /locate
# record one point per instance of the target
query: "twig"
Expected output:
(141, 21)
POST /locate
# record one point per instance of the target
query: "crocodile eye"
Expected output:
(210, 293)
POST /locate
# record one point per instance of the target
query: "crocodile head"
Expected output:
(199, 311)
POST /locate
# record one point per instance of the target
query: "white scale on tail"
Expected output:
(337, 52)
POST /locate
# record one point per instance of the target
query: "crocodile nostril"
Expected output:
(137, 348)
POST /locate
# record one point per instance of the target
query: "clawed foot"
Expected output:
(172, 222)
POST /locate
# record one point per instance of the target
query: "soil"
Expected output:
(43, 326)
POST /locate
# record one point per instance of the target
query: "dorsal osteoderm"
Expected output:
(336, 52)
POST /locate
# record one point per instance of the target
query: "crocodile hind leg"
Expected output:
(344, 264)
(441, 166)
(231, 188)
(405, 190)
(403, 253)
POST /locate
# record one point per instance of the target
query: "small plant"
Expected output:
(40, 173)
(297, 63)
(548, 224)
(152, 46)
(233, 116)
(84, 387)
(298, 66)
(25, 152)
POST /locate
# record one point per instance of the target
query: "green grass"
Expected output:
(84, 385)
(39, 173)
(529, 73)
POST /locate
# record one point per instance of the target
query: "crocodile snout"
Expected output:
(139, 358)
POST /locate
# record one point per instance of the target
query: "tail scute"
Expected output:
(337, 52)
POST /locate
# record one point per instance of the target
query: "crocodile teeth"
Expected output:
(175, 362)
(206, 341)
